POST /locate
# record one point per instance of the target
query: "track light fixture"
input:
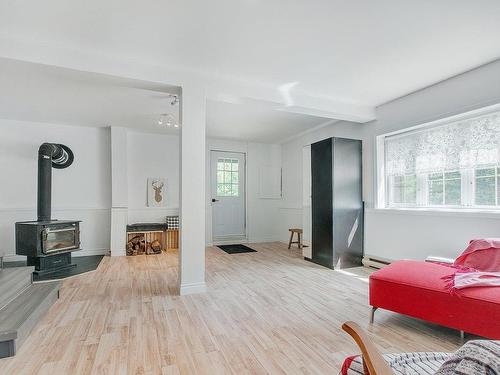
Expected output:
(174, 99)
(166, 119)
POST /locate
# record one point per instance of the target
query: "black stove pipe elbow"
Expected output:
(49, 155)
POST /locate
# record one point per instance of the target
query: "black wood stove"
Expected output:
(48, 243)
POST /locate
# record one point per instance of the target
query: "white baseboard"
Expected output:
(375, 261)
(118, 253)
(229, 241)
(263, 240)
(193, 288)
(244, 241)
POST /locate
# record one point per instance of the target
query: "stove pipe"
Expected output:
(49, 155)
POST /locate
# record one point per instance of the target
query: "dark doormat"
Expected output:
(236, 249)
(83, 264)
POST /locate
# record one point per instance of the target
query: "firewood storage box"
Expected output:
(150, 238)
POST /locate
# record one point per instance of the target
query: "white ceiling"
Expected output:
(364, 51)
(256, 121)
(40, 93)
(357, 53)
(34, 92)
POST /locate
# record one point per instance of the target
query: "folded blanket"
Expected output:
(478, 357)
(481, 254)
(462, 280)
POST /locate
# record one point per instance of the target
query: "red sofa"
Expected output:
(417, 289)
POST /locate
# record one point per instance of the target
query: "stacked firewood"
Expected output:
(155, 247)
(138, 245)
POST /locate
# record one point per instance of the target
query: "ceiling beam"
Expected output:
(289, 100)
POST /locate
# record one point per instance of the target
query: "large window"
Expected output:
(453, 164)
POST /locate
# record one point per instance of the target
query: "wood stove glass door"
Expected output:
(58, 239)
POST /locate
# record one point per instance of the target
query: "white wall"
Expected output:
(395, 234)
(119, 188)
(152, 155)
(83, 191)
(192, 192)
(290, 211)
(80, 192)
(147, 155)
(262, 214)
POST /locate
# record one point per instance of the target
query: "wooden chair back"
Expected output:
(373, 361)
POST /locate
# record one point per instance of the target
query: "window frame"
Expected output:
(468, 186)
(231, 172)
(390, 193)
(496, 178)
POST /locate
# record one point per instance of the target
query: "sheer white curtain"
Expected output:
(465, 144)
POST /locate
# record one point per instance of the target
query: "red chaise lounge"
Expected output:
(417, 289)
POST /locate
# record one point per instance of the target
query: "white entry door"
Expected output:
(228, 195)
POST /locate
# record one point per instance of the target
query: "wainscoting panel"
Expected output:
(289, 217)
(119, 217)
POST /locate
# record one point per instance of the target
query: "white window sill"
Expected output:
(455, 212)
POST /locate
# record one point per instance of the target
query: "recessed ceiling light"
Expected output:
(168, 120)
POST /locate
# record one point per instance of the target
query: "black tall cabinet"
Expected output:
(337, 203)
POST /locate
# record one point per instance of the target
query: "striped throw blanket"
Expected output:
(401, 364)
(478, 357)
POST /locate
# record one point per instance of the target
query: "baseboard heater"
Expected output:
(375, 262)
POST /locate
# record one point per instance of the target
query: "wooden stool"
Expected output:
(299, 237)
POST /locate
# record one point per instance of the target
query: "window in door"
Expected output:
(228, 177)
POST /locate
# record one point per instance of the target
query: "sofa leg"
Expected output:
(462, 336)
(372, 315)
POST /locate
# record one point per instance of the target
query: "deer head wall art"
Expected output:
(156, 191)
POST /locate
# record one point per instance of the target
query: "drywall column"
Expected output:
(119, 194)
(192, 191)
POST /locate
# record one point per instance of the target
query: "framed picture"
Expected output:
(156, 191)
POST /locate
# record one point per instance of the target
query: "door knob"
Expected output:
(214, 200)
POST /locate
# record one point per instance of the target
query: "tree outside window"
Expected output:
(228, 178)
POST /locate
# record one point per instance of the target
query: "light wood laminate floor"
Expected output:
(264, 312)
